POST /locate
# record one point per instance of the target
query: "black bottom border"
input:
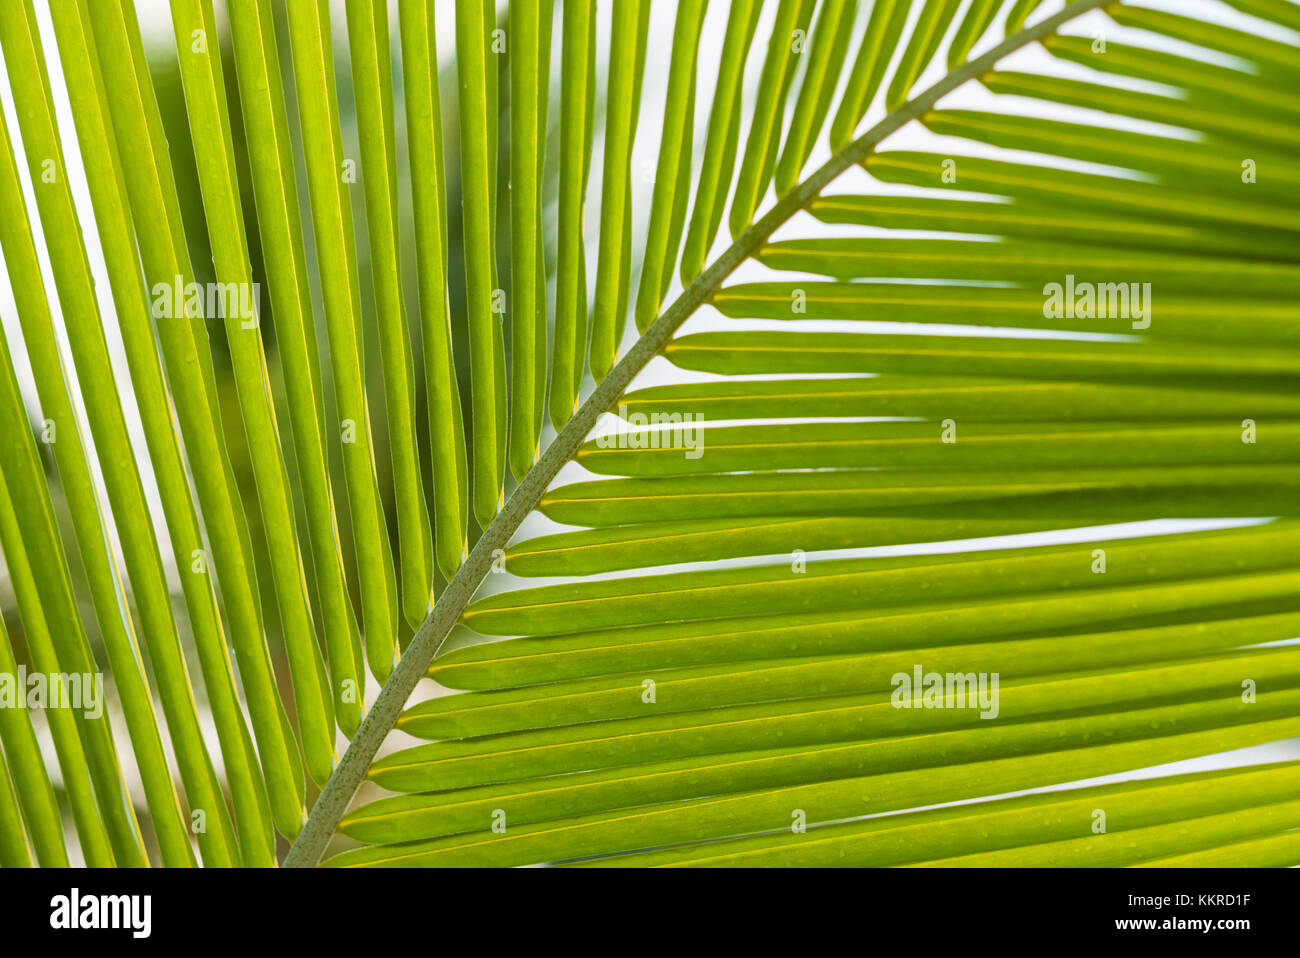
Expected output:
(332, 908)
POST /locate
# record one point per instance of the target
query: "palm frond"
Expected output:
(997, 386)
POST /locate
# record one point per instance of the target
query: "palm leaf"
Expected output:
(693, 656)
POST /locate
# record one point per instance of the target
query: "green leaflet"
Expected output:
(577, 93)
(313, 63)
(587, 552)
(528, 661)
(927, 34)
(1200, 833)
(446, 421)
(1275, 59)
(1167, 160)
(978, 17)
(990, 826)
(204, 88)
(1181, 363)
(878, 42)
(275, 193)
(1020, 12)
(935, 397)
(33, 793)
(620, 697)
(424, 816)
(672, 175)
(613, 262)
(1049, 493)
(104, 174)
(830, 41)
(1278, 11)
(1274, 851)
(371, 80)
(854, 583)
(64, 648)
(13, 843)
(947, 443)
(1219, 126)
(476, 74)
(1204, 84)
(530, 23)
(1033, 265)
(73, 283)
(1087, 306)
(785, 48)
(718, 164)
(599, 833)
(1072, 189)
(154, 204)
